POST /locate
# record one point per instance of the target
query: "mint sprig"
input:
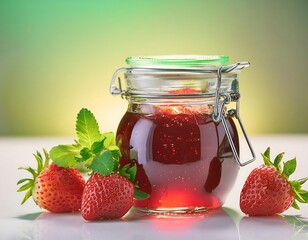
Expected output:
(95, 151)
(64, 155)
(87, 128)
(102, 163)
(286, 169)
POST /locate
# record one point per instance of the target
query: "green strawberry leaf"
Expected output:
(47, 158)
(30, 170)
(267, 153)
(298, 197)
(129, 172)
(278, 160)
(29, 183)
(64, 155)
(116, 164)
(102, 163)
(294, 205)
(27, 195)
(300, 194)
(140, 195)
(267, 160)
(39, 161)
(24, 180)
(289, 168)
(87, 128)
(304, 197)
(123, 171)
(296, 185)
(302, 191)
(26, 186)
(132, 172)
(302, 180)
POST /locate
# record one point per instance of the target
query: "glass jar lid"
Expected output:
(177, 61)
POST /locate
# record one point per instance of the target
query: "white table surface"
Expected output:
(30, 222)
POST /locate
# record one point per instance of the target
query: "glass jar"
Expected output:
(178, 130)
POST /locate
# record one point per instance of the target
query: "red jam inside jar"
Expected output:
(177, 130)
(184, 160)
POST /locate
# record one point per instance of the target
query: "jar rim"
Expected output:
(177, 61)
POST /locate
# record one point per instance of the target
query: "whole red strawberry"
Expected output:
(107, 197)
(268, 191)
(54, 188)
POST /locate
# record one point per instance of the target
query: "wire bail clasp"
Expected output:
(218, 112)
(114, 89)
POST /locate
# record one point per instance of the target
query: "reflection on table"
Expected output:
(219, 224)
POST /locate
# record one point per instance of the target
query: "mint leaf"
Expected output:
(102, 163)
(109, 139)
(64, 155)
(85, 154)
(140, 195)
(87, 128)
(289, 168)
(116, 153)
(97, 147)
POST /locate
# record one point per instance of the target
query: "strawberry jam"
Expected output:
(184, 158)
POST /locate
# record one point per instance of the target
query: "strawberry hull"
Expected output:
(185, 158)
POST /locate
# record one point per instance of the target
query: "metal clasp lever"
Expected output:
(218, 114)
(114, 90)
(235, 113)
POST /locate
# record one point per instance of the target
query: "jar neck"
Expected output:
(171, 108)
(172, 84)
(153, 82)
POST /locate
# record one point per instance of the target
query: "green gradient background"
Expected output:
(58, 56)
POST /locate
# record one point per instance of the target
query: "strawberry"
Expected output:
(107, 197)
(268, 190)
(110, 194)
(53, 188)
